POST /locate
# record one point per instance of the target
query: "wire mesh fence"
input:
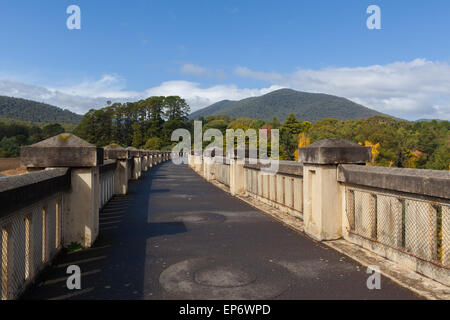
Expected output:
(29, 238)
(418, 227)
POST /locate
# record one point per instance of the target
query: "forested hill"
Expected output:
(280, 103)
(32, 111)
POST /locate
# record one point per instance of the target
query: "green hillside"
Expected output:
(35, 112)
(280, 103)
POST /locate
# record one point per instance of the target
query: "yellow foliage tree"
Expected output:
(375, 151)
(412, 158)
(303, 141)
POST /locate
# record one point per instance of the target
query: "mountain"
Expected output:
(280, 103)
(36, 112)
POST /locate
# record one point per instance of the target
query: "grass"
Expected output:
(75, 247)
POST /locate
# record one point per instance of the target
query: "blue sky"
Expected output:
(207, 51)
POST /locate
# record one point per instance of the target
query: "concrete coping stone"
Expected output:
(17, 192)
(115, 151)
(293, 168)
(134, 152)
(335, 151)
(434, 183)
(63, 150)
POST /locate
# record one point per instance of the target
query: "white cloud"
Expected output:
(412, 90)
(202, 72)
(109, 85)
(78, 98)
(195, 70)
(87, 95)
(246, 72)
(199, 97)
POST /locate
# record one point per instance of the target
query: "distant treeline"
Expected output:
(32, 111)
(14, 135)
(424, 144)
(149, 124)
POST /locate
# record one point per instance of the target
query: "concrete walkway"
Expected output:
(175, 236)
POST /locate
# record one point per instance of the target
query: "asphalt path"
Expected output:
(176, 236)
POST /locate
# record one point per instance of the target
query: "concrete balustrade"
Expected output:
(144, 160)
(30, 226)
(283, 190)
(57, 203)
(123, 169)
(322, 217)
(135, 154)
(81, 202)
(400, 214)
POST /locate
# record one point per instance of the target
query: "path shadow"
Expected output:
(114, 268)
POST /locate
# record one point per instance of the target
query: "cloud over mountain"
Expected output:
(411, 90)
(414, 89)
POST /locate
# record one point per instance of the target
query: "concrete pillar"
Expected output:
(191, 159)
(198, 163)
(237, 177)
(144, 159)
(137, 167)
(208, 161)
(80, 208)
(121, 155)
(322, 215)
(150, 160)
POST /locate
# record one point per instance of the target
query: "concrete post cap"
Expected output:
(335, 151)
(134, 152)
(115, 151)
(63, 150)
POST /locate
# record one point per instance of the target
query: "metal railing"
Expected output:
(418, 227)
(29, 239)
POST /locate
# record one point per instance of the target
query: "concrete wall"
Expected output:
(47, 209)
(390, 216)
(400, 214)
(283, 191)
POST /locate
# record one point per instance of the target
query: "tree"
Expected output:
(176, 109)
(292, 125)
(138, 137)
(154, 143)
(52, 130)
